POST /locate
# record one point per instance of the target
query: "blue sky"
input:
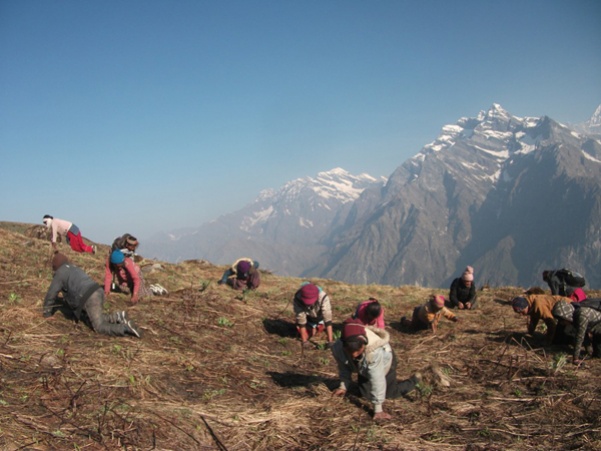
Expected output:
(146, 116)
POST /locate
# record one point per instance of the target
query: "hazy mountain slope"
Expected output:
(283, 229)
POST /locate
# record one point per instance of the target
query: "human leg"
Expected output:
(102, 323)
(396, 389)
(76, 242)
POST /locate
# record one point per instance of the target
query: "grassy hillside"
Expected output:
(222, 370)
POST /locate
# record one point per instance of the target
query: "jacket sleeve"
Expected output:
(472, 295)
(380, 320)
(534, 319)
(254, 279)
(108, 277)
(377, 379)
(454, 300)
(130, 267)
(299, 313)
(551, 328)
(55, 287)
(447, 313)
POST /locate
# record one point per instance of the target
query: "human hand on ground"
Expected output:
(468, 305)
(460, 305)
(339, 392)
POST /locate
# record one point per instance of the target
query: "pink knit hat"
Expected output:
(437, 300)
(352, 328)
(468, 274)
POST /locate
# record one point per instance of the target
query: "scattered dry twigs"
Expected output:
(214, 371)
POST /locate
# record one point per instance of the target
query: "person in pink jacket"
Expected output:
(70, 231)
(127, 276)
(370, 313)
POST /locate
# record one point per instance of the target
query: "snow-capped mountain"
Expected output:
(510, 196)
(282, 228)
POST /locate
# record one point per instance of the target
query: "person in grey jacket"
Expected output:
(366, 350)
(83, 296)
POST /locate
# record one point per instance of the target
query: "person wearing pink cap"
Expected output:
(366, 350)
(428, 315)
(313, 312)
(463, 291)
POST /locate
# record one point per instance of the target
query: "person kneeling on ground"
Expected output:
(83, 297)
(428, 315)
(313, 312)
(540, 307)
(128, 277)
(585, 317)
(366, 350)
(127, 244)
(243, 274)
(70, 231)
(463, 291)
(370, 313)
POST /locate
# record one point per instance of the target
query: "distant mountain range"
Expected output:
(282, 229)
(507, 195)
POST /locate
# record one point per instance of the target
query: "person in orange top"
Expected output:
(428, 315)
(539, 307)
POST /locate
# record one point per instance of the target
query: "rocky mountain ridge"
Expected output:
(508, 195)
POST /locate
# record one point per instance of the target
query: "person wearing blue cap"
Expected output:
(539, 307)
(124, 276)
(242, 275)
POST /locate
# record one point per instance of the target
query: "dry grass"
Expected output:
(218, 369)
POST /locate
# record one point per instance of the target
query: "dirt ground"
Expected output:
(223, 370)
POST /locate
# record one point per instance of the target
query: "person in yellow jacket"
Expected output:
(539, 307)
(428, 315)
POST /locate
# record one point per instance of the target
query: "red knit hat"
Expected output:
(352, 328)
(309, 294)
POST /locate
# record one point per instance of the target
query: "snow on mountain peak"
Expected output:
(595, 120)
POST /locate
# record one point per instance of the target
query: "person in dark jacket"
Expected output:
(85, 298)
(463, 291)
(559, 281)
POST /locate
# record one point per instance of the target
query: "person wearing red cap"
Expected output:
(84, 299)
(366, 350)
(242, 275)
(313, 312)
(462, 294)
(428, 315)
